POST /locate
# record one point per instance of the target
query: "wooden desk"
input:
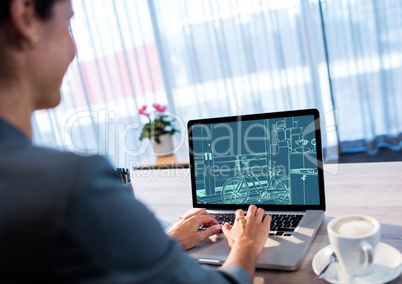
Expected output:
(370, 188)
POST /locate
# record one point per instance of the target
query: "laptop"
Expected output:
(272, 160)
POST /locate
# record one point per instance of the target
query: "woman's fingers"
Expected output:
(252, 209)
(207, 219)
(239, 214)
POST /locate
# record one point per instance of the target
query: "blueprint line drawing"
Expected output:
(269, 161)
(236, 190)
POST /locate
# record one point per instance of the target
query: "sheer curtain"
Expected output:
(228, 57)
(364, 41)
(116, 71)
(211, 58)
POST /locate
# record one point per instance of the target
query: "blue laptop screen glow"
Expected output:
(266, 161)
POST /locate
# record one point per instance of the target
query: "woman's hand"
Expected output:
(247, 237)
(186, 228)
(252, 229)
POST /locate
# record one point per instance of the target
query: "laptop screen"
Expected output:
(272, 160)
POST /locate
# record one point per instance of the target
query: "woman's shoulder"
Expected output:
(65, 158)
(57, 164)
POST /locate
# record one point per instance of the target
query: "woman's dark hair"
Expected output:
(43, 8)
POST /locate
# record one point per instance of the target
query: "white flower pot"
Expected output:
(165, 147)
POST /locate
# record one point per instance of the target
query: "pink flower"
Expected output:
(143, 111)
(159, 108)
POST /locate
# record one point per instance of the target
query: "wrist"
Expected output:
(243, 254)
(247, 246)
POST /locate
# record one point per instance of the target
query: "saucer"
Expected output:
(388, 266)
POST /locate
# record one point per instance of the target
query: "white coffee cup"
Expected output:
(354, 239)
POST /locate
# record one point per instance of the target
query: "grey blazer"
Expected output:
(65, 218)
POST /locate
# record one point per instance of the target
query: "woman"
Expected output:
(66, 218)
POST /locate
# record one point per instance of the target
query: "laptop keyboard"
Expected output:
(281, 225)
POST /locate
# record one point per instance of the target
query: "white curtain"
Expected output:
(209, 58)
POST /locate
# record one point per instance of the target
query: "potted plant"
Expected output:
(159, 129)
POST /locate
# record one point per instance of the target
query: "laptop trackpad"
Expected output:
(213, 250)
